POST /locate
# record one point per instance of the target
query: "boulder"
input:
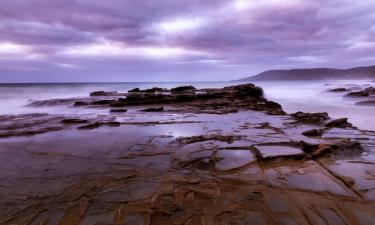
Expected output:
(246, 90)
(313, 133)
(339, 123)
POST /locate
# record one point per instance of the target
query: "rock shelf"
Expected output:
(210, 157)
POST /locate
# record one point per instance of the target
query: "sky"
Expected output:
(179, 40)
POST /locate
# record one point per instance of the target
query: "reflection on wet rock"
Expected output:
(212, 156)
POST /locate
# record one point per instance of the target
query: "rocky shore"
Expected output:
(185, 156)
(361, 95)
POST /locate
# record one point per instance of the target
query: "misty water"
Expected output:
(309, 96)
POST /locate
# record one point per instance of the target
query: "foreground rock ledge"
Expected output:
(184, 156)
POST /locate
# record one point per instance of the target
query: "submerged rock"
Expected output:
(99, 124)
(339, 90)
(227, 160)
(366, 103)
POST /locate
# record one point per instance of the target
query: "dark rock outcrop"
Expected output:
(81, 103)
(74, 121)
(134, 90)
(160, 109)
(106, 93)
(313, 133)
(340, 123)
(358, 94)
(212, 100)
(183, 89)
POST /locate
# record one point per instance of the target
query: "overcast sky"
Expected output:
(179, 40)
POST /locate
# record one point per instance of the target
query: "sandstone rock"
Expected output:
(227, 160)
(345, 147)
(266, 152)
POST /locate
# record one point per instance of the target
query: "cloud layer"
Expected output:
(169, 40)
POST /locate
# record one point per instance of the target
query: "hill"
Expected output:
(315, 74)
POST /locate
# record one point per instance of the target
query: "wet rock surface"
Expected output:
(228, 156)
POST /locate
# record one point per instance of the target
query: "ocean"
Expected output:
(309, 96)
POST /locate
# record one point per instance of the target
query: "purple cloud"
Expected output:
(82, 40)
